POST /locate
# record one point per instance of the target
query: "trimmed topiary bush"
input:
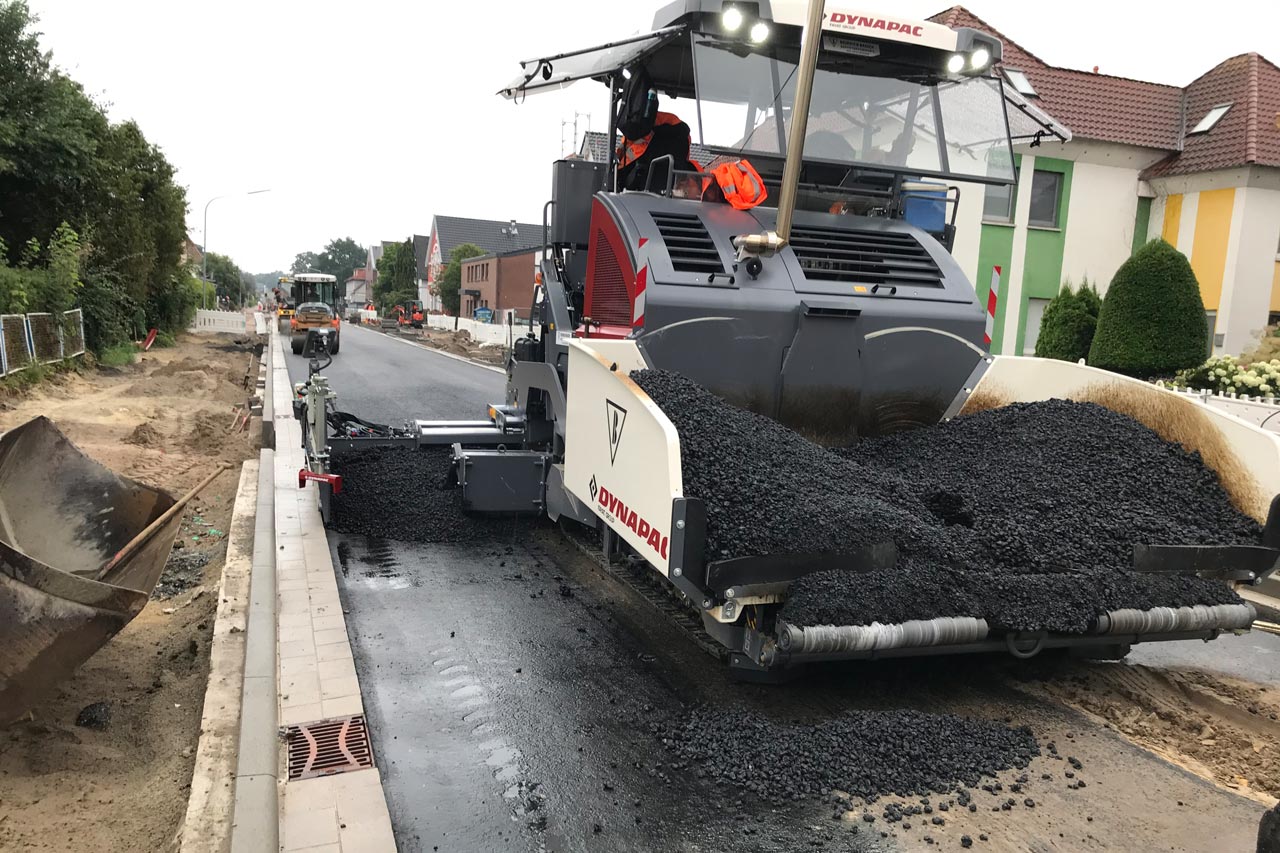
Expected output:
(1067, 327)
(1089, 298)
(1152, 321)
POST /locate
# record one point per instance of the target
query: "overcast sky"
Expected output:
(365, 119)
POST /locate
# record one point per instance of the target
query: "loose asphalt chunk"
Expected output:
(864, 753)
(406, 494)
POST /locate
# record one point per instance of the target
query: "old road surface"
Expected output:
(509, 689)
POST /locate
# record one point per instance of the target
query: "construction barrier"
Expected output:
(27, 339)
(481, 333)
(234, 322)
(1263, 412)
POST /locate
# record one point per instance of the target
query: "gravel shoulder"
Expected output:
(123, 786)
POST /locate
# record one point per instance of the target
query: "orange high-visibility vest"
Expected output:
(632, 150)
(741, 184)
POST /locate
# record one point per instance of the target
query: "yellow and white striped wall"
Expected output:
(1228, 224)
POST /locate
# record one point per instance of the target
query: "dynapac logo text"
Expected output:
(860, 21)
(642, 527)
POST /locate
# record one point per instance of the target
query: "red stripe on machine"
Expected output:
(992, 298)
(637, 311)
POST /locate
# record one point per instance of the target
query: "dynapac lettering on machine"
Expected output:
(642, 527)
(863, 22)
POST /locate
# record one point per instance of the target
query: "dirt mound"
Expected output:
(208, 432)
(144, 435)
(181, 365)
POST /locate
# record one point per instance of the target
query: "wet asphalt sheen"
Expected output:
(509, 688)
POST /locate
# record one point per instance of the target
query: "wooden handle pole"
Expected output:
(138, 541)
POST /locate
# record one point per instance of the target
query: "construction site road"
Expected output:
(510, 688)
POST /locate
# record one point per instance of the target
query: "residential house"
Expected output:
(1197, 165)
(359, 286)
(491, 235)
(502, 282)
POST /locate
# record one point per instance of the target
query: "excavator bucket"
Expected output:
(63, 518)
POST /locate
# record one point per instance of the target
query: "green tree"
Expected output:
(396, 270)
(267, 280)
(338, 259)
(78, 184)
(1152, 321)
(1068, 324)
(305, 262)
(225, 276)
(451, 279)
(341, 257)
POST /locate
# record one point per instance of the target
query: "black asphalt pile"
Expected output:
(864, 753)
(1061, 486)
(1025, 515)
(768, 490)
(406, 494)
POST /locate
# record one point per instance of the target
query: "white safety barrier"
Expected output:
(481, 333)
(235, 322)
(1261, 411)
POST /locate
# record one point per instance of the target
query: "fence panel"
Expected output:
(46, 341)
(17, 346)
(1260, 411)
(73, 333)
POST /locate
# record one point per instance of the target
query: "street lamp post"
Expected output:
(204, 274)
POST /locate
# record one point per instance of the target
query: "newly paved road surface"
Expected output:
(510, 687)
(387, 379)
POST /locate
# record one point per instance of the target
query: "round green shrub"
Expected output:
(1152, 321)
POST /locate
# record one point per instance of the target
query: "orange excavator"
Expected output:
(409, 314)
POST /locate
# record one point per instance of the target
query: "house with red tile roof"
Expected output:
(1198, 166)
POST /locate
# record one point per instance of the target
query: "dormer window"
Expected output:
(1019, 81)
(1211, 118)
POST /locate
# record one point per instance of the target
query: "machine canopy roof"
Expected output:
(555, 72)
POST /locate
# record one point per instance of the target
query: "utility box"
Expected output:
(573, 183)
(512, 481)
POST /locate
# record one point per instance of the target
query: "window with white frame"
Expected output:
(997, 204)
(1031, 330)
(1019, 81)
(1211, 118)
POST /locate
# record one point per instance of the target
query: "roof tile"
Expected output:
(1154, 115)
(488, 234)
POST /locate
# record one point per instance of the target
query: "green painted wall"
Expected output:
(995, 249)
(1141, 223)
(1042, 265)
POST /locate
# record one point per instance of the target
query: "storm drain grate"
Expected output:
(326, 747)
